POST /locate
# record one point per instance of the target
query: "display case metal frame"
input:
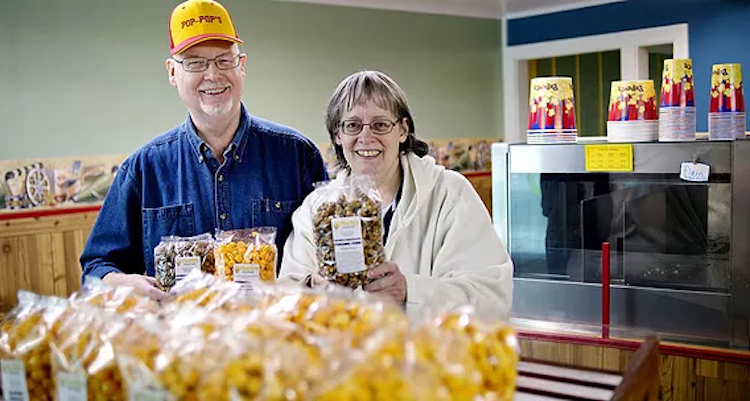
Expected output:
(716, 318)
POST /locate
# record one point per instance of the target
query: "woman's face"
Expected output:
(368, 153)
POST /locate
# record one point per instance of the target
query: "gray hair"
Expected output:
(374, 86)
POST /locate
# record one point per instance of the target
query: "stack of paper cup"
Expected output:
(632, 112)
(726, 118)
(677, 110)
(552, 115)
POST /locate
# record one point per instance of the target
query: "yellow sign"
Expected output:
(609, 158)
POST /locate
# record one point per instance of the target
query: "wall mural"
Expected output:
(35, 183)
(65, 182)
(460, 154)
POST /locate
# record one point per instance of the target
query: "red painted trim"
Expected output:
(471, 174)
(705, 353)
(22, 214)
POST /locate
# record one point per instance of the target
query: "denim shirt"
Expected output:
(175, 186)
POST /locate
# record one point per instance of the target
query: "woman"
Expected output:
(439, 241)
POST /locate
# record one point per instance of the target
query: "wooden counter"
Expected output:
(686, 372)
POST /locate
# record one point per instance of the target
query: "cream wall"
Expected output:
(84, 77)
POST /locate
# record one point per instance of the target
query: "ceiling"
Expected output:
(495, 9)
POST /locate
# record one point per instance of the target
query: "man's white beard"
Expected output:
(217, 109)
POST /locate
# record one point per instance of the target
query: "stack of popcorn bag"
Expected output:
(211, 340)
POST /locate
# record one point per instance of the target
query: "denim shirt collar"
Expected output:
(238, 142)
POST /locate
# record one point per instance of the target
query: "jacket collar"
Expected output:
(420, 176)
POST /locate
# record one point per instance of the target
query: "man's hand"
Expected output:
(143, 285)
(389, 281)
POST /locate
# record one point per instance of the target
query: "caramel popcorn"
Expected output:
(353, 211)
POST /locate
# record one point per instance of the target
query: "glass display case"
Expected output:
(679, 250)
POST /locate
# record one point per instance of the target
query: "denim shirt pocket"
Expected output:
(162, 221)
(271, 212)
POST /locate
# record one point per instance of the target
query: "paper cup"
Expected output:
(551, 104)
(677, 88)
(632, 101)
(726, 89)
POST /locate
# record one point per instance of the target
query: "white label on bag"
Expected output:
(694, 172)
(347, 244)
(183, 265)
(71, 387)
(247, 275)
(146, 393)
(14, 380)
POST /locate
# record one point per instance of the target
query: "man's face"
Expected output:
(213, 92)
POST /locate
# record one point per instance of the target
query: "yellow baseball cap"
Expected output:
(196, 21)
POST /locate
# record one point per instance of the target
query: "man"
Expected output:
(220, 169)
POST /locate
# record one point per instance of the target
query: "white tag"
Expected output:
(347, 244)
(71, 387)
(14, 380)
(694, 172)
(144, 393)
(247, 275)
(183, 265)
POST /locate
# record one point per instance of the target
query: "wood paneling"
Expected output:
(682, 378)
(610, 71)
(589, 95)
(40, 254)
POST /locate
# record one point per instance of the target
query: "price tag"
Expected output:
(609, 158)
(14, 380)
(694, 172)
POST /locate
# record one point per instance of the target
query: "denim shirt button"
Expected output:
(237, 157)
(221, 178)
(223, 216)
(278, 205)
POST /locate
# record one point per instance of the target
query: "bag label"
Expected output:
(14, 380)
(183, 265)
(347, 244)
(71, 387)
(247, 275)
(146, 393)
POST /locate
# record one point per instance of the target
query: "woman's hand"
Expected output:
(388, 281)
(317, 281)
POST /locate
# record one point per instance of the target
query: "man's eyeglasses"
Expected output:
(378, 127)
(200, 64)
